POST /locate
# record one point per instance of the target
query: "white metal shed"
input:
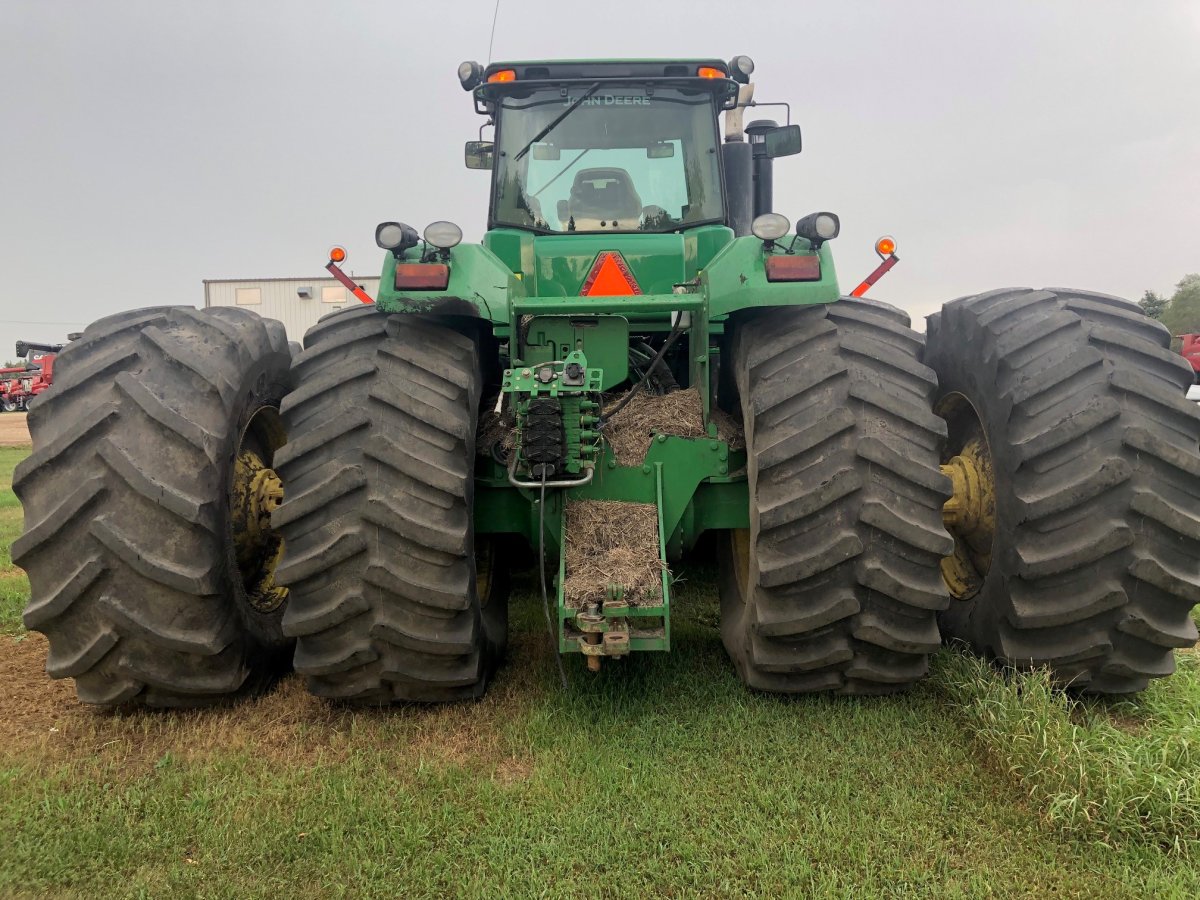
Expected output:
(296, 302)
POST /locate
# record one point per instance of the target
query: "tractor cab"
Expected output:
(621, 145)
(609, 155)
(620, 148)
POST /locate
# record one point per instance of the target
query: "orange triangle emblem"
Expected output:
(609, 277)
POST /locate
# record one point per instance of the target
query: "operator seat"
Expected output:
(604, 195)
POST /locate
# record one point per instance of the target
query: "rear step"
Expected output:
(608, 617)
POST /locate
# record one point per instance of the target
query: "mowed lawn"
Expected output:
(660, 776)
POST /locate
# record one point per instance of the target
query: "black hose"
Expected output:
(562, 673)
(661, 380)
(662, 351)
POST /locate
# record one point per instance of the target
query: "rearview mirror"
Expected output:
(479, 154)
(546, 151)
(661, 150)
(782, 141)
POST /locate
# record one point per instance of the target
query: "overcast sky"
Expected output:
(146, 146)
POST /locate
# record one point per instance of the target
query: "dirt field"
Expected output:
(41, 719)
(13, 430)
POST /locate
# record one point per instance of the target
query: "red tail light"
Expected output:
(422, 276)
(793, 268)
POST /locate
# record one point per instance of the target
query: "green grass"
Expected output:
(1113, 771)
(660, 776)
(14, 586)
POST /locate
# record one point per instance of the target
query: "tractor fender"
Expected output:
(480, 286)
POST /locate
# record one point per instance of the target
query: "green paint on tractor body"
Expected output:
(527, 279)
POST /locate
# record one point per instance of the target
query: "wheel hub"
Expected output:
(257, 492)
(970, 517)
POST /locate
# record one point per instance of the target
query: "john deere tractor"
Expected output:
(640, 354)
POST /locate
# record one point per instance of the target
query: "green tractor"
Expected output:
(640, 354)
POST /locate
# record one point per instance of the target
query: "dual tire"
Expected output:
(158, 571)
(1086, 561)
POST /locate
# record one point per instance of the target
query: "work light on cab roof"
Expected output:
(741, 68)
(470, 74)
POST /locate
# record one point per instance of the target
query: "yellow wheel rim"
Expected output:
(970, 513)
(257, 492)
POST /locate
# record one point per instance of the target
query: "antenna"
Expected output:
(492, 39)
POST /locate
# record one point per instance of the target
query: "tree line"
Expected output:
(1181, 311)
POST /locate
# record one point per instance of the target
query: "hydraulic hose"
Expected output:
(658, 358)
(562, 672)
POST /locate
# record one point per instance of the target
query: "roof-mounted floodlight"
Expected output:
(470, 74)
(741, 68)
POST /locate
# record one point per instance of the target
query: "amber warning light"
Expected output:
(337, 254)
(886, 248)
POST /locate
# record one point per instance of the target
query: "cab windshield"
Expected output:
(607, 158)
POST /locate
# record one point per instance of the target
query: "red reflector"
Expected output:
(793, 268)
(609, 277)
(422, 276)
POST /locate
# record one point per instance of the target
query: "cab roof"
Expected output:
(570, 69)
(522, 75)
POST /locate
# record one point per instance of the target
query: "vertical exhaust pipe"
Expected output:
(764, 166)
(736, 163)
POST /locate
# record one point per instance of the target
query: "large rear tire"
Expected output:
(392, 599)
(129, 540)
(1093, 564)
(835, 585)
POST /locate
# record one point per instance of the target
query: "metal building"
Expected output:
(296, 302)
